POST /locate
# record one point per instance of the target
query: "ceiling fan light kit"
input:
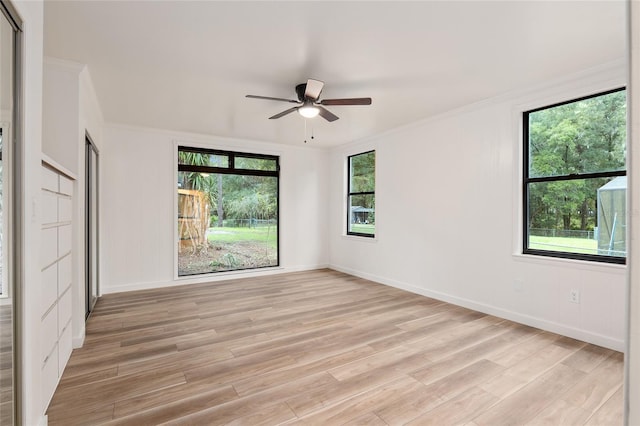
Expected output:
(309, 103)
(308, 110)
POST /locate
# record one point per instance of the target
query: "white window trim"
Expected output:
(224, 145)
(591, 83)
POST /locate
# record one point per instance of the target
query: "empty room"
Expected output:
(319, 212)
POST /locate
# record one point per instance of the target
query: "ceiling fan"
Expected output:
(309, 104)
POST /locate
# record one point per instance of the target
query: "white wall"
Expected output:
(138, 197)
(61, 112)
(70, 109)
(448, 219)
(90, 121)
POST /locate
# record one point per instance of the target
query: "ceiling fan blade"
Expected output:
(346, 101)
(269, 98)
(326, 114)
(314, 87)
(283, 113)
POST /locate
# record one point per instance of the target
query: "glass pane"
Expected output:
(586, 136)
(586, 216)
(248, 163)
(362, 217)
(193, 158)
(226, 222)
(362, 168)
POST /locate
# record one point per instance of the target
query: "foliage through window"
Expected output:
(575, 179)
(361, 214)
(227, 211)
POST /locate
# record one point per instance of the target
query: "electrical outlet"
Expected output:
(574, 296)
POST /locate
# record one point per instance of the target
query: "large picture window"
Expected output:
(361, 210)
(575, 180)
(227, 211)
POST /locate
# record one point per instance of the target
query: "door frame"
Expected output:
(13, 250)
(91, 175)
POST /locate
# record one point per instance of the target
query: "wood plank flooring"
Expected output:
(7, 386)
(325, 348)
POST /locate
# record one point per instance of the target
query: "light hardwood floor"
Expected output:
(7, 387)
(325, 348)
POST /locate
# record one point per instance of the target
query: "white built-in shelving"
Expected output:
(56, 264)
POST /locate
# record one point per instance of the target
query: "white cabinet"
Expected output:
(49, 293)
(49, 334)
(56, 307)
(49, 247)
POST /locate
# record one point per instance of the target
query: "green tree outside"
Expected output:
(582, 137)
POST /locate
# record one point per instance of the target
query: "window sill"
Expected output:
(358, 238)
(215, 276)
(571, 263)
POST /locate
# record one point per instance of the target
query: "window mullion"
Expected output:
(576, 176)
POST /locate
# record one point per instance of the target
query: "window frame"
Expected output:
(527, 180)
(350, 194)
(230, 170)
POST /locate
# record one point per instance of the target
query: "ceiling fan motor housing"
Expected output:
(300, 89)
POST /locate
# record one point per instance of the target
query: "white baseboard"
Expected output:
(221, 276)
(554, 327)
(78, 340)
(44, 420)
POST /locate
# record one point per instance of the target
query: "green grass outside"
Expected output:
(262, 234)
(269, 235)
(573, 245)
(363, 228)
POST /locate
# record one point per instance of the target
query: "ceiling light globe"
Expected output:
(308, 111)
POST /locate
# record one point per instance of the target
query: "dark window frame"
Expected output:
(350, 194)
(527, 180)
(232, 170)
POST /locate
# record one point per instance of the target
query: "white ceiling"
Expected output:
(187, 66)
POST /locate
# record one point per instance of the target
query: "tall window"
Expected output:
(575, 180)
(227, 211)
(361, 210)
